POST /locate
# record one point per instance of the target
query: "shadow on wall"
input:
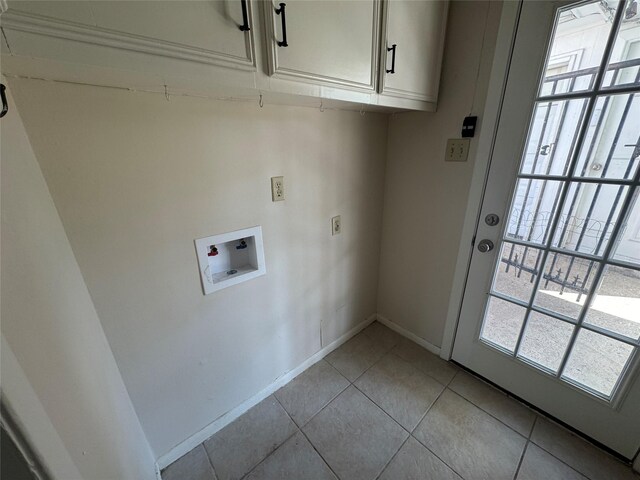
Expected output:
(13, 465)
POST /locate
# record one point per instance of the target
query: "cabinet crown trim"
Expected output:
(47, 26)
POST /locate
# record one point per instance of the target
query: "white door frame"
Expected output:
(488, 129)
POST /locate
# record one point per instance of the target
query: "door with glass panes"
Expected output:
(551, 310)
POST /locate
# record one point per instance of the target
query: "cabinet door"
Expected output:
(329, 42)
(212, 27)
(203, 31)
(417, 29)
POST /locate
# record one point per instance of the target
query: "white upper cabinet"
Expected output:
(335, 50)
(203, 31)
(328, 42)
(417, 29)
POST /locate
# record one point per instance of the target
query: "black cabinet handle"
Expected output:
(5, 106)
(393, 58)
(280, 11)
(245, 18)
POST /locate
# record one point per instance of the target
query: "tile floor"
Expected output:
(381, 407)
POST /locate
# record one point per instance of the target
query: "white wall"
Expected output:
(59, 376)
(425, 198)
(137, 178)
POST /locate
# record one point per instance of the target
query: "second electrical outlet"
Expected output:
(277, 189)
(336, 225)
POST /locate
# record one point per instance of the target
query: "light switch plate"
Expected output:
(336, 225)
(277, 189)
(457, 150)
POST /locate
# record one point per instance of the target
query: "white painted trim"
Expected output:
(407, 334)
(196, 439)
(488, 127)
(158, 475)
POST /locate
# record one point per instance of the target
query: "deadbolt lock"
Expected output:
(492, 219)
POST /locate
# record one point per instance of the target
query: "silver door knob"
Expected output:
(485, 246)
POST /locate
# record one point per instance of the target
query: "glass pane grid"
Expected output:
(571, 321)
(557, 266)
(552, 137)
(610, 334)
(567, 178)
(619, 259)
(590, 365)
(536, 365)
(496, 346)
(565, 284)
(611, 139)
(615, 306)
(544, 341)
(624, 61)
(556, 315)
(586, 388)
(532, 207)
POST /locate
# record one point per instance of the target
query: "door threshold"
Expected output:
(580, 434)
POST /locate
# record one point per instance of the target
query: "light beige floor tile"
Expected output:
(495, 402)
(425, 361)
(358, 439)
(294, 459)
(578, 453)
(244, 443)
(400, 389)
(538, 464)
(306, 394)
(414, 462)
(469, 440)
(354, 436)
(382, 334)
(194, 465)
(355, 356)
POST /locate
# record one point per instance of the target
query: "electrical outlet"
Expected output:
(277, 189)
(336, 225)
(457, 150)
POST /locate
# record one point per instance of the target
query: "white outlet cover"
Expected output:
(277, 189)
(457, 150)
(336, 225)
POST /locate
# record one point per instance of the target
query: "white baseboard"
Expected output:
(406, 333)
(196, 439)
